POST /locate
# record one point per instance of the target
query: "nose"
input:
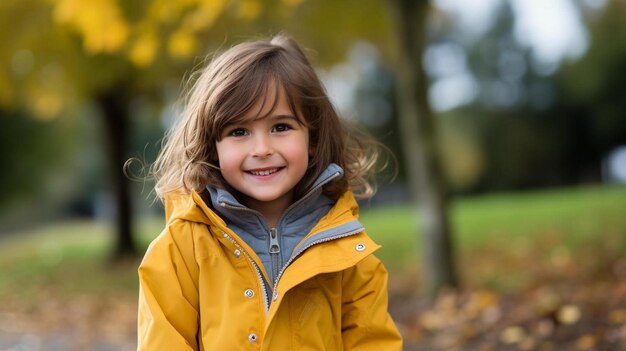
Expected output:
(262, 146)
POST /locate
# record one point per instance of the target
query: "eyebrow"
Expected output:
(283, 116)
(277, 117)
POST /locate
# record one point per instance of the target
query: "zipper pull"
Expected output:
(274, 245)
(274, 254)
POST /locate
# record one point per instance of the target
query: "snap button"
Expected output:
(237, 253)
(359, 247)
(249, 293)
(275, 296)
(252, 337)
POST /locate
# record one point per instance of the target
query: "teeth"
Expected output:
(264, 173)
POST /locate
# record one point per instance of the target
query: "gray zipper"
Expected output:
(274, 251)
(274, 245)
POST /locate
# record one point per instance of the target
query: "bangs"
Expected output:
(258, 87)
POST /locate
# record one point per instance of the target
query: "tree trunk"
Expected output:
(115, 115)
(417, 127)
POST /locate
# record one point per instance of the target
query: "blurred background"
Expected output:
(526, 103)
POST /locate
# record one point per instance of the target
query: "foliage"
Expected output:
(63, 58)
(112, 60)
(532, 125)
(57, 51)
(592, 91)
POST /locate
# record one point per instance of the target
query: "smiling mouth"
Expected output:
(264, 172)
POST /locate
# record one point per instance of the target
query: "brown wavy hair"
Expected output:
(222, 93)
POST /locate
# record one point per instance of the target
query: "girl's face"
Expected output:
(265, 158)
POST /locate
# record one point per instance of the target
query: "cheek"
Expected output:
(226, 157)
(301, 153)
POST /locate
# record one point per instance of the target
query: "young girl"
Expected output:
(262, 249)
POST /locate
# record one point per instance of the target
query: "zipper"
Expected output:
(256, 268)
(293, 257)
(274, 251)
(308, 194)
(274, 245)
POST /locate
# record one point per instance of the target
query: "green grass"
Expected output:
(72, 257)
(579, 215)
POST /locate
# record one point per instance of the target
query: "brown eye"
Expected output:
(281, 127)
(238, 132)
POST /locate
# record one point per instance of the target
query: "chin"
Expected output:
(266, 198)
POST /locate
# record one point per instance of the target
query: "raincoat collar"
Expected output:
(226, 205)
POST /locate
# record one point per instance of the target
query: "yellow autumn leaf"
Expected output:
(617, 316)
(205, 15)
(46, 104)
(528, 344)
(164, 11)
(292, 3)
(182, 44)
(168, 11)
(65, 10)
(547, 301)
(512, 335)
(586, 342)
(481, 300)
(568, 314)
(99, 22)
(249, 9)
(109, 39)
(432, 321)
(144, 50)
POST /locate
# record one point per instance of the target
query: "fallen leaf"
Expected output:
(568, 314)
(547, 301)
(617, 316)
(586, 342)
(512, 335)
(431, 321)
(547, 346)
(491, 315)
(527, 344)
(545, 327)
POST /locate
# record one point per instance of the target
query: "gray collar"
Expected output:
(248, 219)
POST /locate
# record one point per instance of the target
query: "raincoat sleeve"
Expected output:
(366, 324)
(168, 295)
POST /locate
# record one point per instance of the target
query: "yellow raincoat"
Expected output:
(201, 288)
